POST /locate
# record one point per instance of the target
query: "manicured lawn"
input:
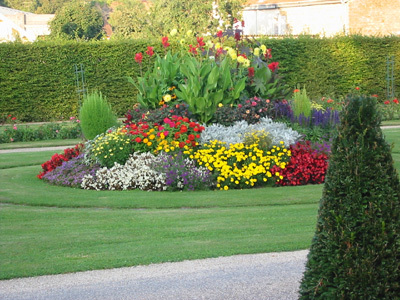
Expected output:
(40, 144)
(49, 229)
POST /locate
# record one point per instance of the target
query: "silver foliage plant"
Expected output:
(137, 173)
(235, 134)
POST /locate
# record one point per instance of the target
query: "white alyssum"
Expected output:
(136, 173)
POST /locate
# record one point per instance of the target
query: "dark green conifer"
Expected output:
(355, 253)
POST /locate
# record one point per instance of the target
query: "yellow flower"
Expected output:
(149, 144)
(189, 33)
(220, 105)
(241, 59)
(217, 45)
(182, 41)
(167, 98)
(246, 63)
(263, 48)
(226, 187)
(173, 32)
(257, 51)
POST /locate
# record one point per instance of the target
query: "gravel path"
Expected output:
(268, 276)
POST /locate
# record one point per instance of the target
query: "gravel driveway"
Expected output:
(267, 276)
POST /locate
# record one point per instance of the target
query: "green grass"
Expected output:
(37, 241)
(50, 229)
(40, 144)
(391, 122)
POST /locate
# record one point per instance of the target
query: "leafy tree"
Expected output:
(129, 18)
(24, 5)
(78, 20)
(51, 6)
(355, 253)
(159, 17)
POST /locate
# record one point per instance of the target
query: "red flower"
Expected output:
(250, 72)
(273, 66)
(192, 49)
(139, 57)
(396, 101)
(219, 34)
(191, 137)
(181, 144)
(183, 129)
(13, 118)
(375, 95)
(268, 53)
(164, 41)
(138, 140)
(237, 35)
(357, 88)
(150, 51)
(200, 42)
(219, 51)
(386, 102)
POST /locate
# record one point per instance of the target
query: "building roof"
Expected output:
(11, 11)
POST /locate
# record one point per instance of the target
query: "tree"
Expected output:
(158, 17)
(51, 6)
(24, 5)
(355, 253)
(78, 20)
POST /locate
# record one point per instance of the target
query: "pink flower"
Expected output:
(139, 57)
(273, 66)
(78, 121)
(240, 105)
(72, 118)
(11, 140)
(253, 103)
(15, 127)
(166, 132)
(150, 51)
(57, 131)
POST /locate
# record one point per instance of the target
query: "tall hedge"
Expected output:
(355, 252)
(37, 81)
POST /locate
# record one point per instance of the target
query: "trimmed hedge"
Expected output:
(37, 81)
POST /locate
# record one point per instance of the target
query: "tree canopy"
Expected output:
(78, 20)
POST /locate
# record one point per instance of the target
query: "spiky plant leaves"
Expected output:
(355, 253)
(96, 115)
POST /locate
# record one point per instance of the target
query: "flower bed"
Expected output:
(205, 119)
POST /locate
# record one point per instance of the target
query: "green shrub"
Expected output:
(355, 253)
(301, 103)
(96, 115)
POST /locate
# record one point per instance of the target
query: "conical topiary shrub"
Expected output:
(96, 115)
(355, 253)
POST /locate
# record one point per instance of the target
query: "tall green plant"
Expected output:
(96, 115)
(301, 103)
(208, 84)
(355, 253)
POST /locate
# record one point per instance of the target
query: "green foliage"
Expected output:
(158, 82)
(29, 5)
(301, 103)
(132, 19)
(96, 115)
(355, 253)
(51, 6)
(50, 131)
(207, 85)
(31, 94)
(334, 66)
(77, 20)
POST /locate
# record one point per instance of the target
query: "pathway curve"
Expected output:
(267, 276)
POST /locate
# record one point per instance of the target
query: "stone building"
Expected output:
(323, 17)
(25, 25)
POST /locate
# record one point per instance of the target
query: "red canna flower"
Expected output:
(396, 101)
(164, 41)
(139, 57)
(250, 72)
(200, 42)
(192, 49)
(219, 34)
(386, 102)
(273, 66)
(150, 51)
(13, 118)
